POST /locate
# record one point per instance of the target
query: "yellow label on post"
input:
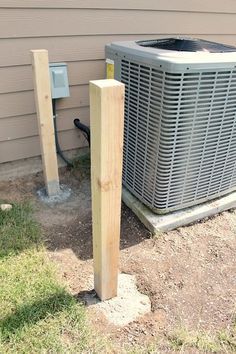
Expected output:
(110, 69)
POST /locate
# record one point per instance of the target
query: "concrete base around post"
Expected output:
(160, 223)
(128, 306)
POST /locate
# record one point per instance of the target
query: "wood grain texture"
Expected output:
(18, 23)
(107, 120)
(171, 5)
(43, 101)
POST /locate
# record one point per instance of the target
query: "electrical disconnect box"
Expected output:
(59, 80)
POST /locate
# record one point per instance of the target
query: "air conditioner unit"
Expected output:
(180, 120)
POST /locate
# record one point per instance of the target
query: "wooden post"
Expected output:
(106, 121)
(43, 102)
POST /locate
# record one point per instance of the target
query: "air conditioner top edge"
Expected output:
(173, 56)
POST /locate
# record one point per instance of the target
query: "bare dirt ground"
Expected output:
(189, 274)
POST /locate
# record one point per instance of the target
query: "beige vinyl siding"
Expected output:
(76, 31)
(14, 128)
(171, 5)
(19, 78)
(24, 23)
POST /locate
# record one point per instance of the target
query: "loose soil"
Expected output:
(188, 273)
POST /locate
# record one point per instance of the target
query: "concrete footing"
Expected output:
(60, 197)
(126, 307)
(159, 223)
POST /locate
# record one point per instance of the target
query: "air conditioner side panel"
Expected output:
(180, 131)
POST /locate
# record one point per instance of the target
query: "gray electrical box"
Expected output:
(59, 80)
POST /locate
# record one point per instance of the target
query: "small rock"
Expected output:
(6, 207)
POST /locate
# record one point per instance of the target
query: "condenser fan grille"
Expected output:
(180, 134)
(187, 45)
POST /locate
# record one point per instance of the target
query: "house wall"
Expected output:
(76, 31)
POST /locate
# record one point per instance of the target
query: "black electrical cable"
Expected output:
(85, 131)
(59, 151)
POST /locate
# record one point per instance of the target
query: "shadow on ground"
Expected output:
(69, 224)
(188, 274)
(77, 235)
(32, 313)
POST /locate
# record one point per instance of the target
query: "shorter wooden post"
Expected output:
(106, 122)
(43, 102)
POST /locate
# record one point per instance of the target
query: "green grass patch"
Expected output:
(18, 230)
(37, 314)
(183, 340)
(206, 342)
(82, 163)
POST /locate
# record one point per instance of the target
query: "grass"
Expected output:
(183, 340)
(82, 163)
(223, 341)
(37, 314)
(18, 230)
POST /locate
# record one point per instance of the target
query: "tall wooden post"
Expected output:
(106, 121)
(43, 102)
